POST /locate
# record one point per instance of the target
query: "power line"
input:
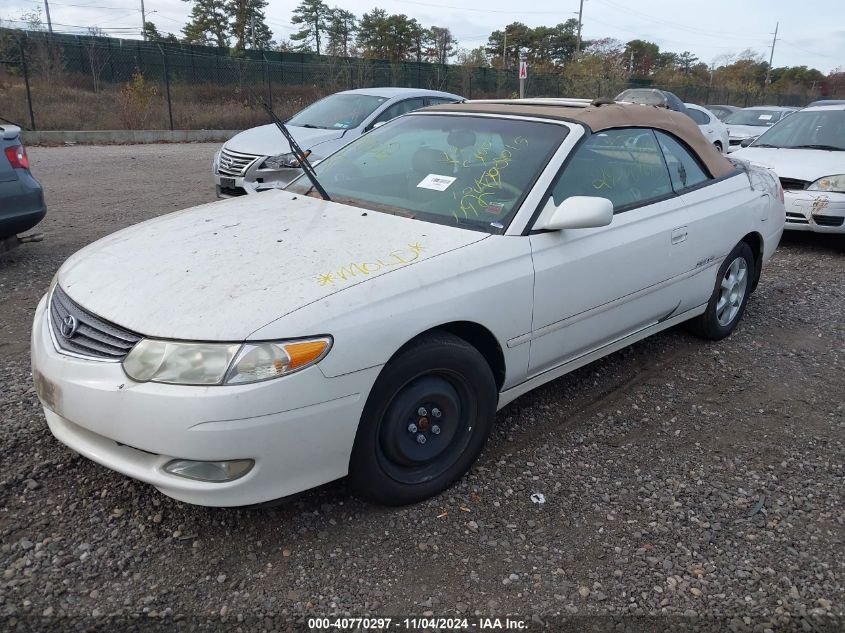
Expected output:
(676, 25)
(816, 53)
(447, 6)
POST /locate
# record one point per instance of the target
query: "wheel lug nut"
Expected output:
(436, 412)
(421, 439)
(435, 429)
(412, 428)
(422, 412)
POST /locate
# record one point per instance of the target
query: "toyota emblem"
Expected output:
(69, 326)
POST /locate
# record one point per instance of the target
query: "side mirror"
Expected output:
(577, 212)
(375, 125)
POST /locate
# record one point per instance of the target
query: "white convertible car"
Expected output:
(244, 350)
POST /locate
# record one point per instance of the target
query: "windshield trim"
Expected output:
(485, 227)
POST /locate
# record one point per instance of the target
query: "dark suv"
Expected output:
(21, 197)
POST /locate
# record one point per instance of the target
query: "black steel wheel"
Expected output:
(425, 421)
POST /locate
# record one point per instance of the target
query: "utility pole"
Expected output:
(143, 21)
(771, 57)
(505, 50)
(578, 41)
(252, 28)
(49, 21)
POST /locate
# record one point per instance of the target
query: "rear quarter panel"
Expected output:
(720, 215)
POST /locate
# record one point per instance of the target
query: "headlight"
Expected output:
(834, 184)
(282, 160)
(182, 363)
(263, 361)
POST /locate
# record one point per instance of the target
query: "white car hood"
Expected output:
(221, 271)
(746, 131)
(803, 164)
(267, 140)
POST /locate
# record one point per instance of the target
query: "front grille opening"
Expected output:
(234, 163)
(92, 337)
(828, 220)
(794, 184)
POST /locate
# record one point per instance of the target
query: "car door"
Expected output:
(717, 212)
(594, 286)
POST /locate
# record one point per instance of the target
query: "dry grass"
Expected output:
(67, 106)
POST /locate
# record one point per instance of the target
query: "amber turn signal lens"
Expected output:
(304, 353)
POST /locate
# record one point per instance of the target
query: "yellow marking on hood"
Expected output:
(397, 257)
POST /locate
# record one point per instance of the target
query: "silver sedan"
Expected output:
(260, 158)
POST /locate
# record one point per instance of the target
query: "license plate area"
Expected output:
(227, 183)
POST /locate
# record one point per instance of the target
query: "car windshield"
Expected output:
(467, 171)
(337, 112)
(812, 129)
(761, 118)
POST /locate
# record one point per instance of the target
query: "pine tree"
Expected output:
(248, 24)
(208, 23)
(341, 29)
(314, 16)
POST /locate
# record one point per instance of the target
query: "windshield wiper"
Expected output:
(766, 145)
(832, 148)
(301, 156)
(312, 126)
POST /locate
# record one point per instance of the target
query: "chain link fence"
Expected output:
(68, 82)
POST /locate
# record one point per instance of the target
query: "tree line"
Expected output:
(377, 34)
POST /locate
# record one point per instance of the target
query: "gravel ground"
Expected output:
(687, 485)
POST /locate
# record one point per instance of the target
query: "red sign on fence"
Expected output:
(523, 70)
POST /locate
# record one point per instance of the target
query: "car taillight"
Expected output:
(17, 157)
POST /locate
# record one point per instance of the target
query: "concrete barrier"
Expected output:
(125, 137)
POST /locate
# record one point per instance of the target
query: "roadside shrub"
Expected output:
(136, 101)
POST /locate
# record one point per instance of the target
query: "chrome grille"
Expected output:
(91, 336)
(234, 163)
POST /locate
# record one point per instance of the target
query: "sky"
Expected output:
(810, 33)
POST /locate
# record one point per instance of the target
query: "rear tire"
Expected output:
(730, 295)
(438, 388)
(718, 146)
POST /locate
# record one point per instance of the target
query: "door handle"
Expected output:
(679, 235)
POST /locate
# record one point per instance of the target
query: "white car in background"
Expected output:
(807, 152)
(251, 348)
(747, 124)
(713, 129)
(260, 158)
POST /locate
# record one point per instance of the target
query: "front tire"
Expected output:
(426, 421)
(730, 296)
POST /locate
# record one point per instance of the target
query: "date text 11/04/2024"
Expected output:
(417, 623)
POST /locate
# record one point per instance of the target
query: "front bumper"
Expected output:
(815, 211)
(299, 429)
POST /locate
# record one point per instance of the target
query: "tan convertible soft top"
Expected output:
(606, 116)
